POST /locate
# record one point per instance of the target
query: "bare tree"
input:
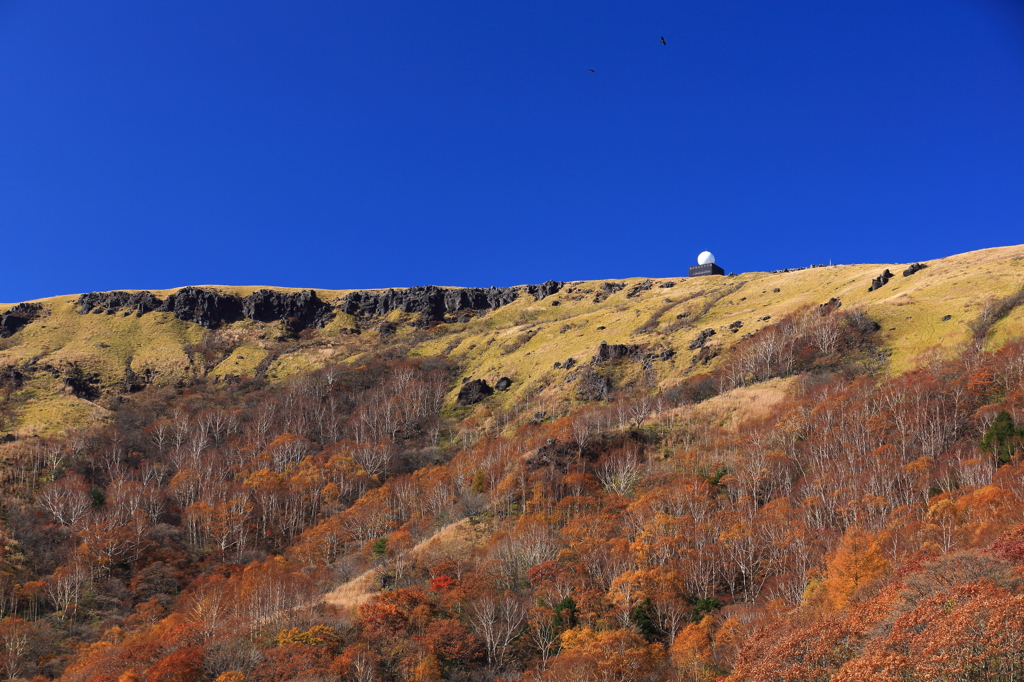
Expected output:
(65, 588)
(498, 620)
(620, 471)
(66, 499)
(544, 634)
(13, 646)
(582, 427)
(640, 409)
(825, 334)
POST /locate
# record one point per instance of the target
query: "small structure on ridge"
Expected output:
(705, 266)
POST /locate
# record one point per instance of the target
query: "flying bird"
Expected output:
(663, 41)
(592, 71)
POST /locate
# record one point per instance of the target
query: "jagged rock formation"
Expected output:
(916, 267)
(616, 351)
(433, 303)
(639, 288)
(210, 308)
(540, 291)
(701, 339)
(110, 302)
(17, 317)
(881, 280)
(473, 392)
(302, 310)
(827, 307)
(607, 289)
(204, 307)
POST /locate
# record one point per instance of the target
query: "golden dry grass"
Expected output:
(355, 592)
(524, 339)
(746, 402)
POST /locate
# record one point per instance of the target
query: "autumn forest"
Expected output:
(354, 523)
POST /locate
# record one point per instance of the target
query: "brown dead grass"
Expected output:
(452, 540)
(746, 402)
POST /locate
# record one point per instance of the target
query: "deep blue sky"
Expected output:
(342, 144)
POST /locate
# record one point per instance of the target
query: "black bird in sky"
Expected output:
(592, 71)
(663, 41)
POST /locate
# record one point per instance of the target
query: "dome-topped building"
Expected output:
(705, 266)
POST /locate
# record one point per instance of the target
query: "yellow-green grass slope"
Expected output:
(524, 339)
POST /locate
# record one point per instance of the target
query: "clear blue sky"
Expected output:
(341, 144)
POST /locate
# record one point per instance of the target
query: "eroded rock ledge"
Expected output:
(303, 309)
(210, 308)
(17, 317)
(433, 303)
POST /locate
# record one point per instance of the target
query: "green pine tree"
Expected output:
(565, 614)
(1001, 438)
(642, 616)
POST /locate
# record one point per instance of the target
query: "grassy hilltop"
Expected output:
(522, 340)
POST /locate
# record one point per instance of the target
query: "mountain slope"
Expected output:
(766, 476)
(521, 340)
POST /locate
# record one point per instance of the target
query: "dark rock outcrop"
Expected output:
(110, 302)
(303, 309)
(11, 376)
(701, 339)
(431, 302)
(706, 355)
(80, 383)
(17, 317)
(832, 304)
(639, 288)
(615, 351)
(300, 310)
(211, 308)
(539, 291)
(735, 326)
(503, 384)
(916, 267)
(204, 307)
(473, 392)
(881, 280)
(593, 386)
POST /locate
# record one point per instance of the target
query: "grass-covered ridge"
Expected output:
(522, 340)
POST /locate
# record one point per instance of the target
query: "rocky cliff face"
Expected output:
(203, 306)
(210, 308)
(111, 302)
(17, 317)
(433, 303)
(303, 309)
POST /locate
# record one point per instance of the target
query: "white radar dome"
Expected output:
(705, 257)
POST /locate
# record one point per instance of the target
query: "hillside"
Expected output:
(754, 477)
(521, 340)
